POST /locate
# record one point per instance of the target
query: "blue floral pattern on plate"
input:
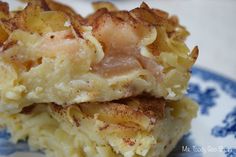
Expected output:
(7, 147)
(206, 98)
(229, 126)
(213, 132)
(230, 152)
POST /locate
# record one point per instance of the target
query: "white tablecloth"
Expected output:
(212, 24)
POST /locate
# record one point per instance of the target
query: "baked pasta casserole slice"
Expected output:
(134, 127)
(50, 54)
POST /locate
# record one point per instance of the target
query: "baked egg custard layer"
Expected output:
(50, 54)
(134, 127)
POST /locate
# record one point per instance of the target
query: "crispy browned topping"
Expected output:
(152, 107)
(133, 113)
(4, 8)
(76, 19)
(52, 5)
(99, 5)
(18, 21)
(4, 14)
(194, 53)
(149, 16)
(21, 19)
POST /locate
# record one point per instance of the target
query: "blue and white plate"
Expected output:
(213, 132)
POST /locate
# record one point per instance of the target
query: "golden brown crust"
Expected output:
(99, 5)
(76, 19)
(194, 53)
(133, 113)
(4, 8)
(19, 18)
